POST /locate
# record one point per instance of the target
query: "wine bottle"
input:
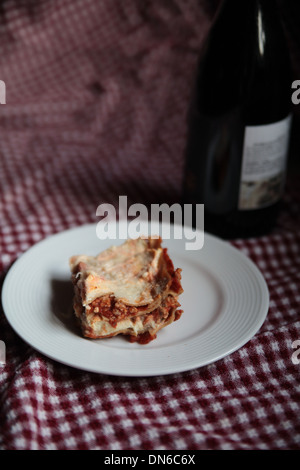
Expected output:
(239, 121)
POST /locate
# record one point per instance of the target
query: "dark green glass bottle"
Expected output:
(239, 121)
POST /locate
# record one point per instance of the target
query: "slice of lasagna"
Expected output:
(130, 289)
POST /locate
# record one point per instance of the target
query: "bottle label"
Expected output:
(263, 164)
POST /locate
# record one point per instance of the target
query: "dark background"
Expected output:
(55, 50)
(99, 91)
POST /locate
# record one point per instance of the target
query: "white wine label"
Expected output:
(264, 164)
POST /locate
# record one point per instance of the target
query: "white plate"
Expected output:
(225, 302)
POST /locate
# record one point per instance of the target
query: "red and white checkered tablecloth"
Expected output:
(95, 108)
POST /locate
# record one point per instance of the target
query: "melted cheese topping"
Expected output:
(129, 272)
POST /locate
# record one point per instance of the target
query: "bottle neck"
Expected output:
(250, 21)
(245, 56)
(247, 11)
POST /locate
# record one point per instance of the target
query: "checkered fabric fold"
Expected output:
(96, 101)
